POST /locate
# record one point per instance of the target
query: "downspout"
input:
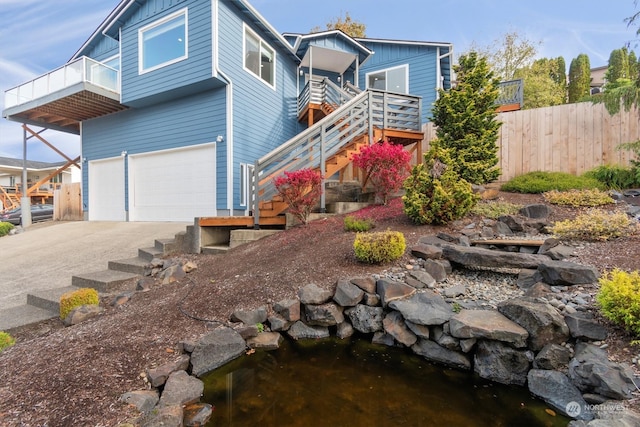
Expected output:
(229, 108)
(440, 82)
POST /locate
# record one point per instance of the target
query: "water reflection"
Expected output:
(335, 382)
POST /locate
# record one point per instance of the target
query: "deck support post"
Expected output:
(25, 202)
(323, 169)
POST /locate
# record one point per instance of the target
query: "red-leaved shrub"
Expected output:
(385, 165)
(301, 190)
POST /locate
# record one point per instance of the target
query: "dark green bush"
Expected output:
(615, 177)
(434, 192)
(5, 228)
(540, 182)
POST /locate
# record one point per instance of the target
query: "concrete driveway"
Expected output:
(46, 255)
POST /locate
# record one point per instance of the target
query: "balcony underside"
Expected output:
(65, 109)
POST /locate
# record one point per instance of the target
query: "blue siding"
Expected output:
(184, 122)
(264, 118)
(182, 78)
(422, 62)
(104, 48)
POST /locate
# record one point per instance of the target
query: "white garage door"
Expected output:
(106, 190)
(173, 185)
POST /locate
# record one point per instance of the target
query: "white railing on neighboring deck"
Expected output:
(511, 92)
(81, 70)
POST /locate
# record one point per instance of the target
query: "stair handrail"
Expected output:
(321, 90)
(350, 88)
(312, 147)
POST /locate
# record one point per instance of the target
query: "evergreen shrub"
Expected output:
(71, 300)
(619, 299)
(379, 247)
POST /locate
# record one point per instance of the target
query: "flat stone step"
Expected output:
(48, 299)
(22, 315)
(131, 265)
(508, 242)
(104, 281)
(150, 253)
(214, 249)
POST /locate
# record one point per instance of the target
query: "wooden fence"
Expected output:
(67, 203)
(569, 138)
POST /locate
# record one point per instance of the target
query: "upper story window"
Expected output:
(163, 42)
(259, 57)
(394, 79)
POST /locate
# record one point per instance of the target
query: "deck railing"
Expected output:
(511, 92)
(81, 70)
(320, 91)
(312, 147)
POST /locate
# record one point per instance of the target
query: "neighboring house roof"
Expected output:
(126, 8)
(10, 163)
(597, 76)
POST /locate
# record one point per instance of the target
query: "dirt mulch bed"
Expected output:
(58, 376)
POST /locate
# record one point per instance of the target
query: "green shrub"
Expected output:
(540, 182)
(5, 228)
(71, 300)
(352, 223)
(592, 197)
(594, 225)
(434, 192)
(615, 177)
(619, 299)
(6, 341)
(379, 247)
(494, 209)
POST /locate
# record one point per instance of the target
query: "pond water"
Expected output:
(334, 382)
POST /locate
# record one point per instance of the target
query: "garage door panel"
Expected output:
(173, 185)
(107, 190)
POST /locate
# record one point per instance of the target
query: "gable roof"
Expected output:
(405, 42)
(11, 163)
(110, 27)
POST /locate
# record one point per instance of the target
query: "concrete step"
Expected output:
(48, 299)
(104, 281)
(23, 315)
(131, 265)
(214, 249)
(148, 254)
(167, 246)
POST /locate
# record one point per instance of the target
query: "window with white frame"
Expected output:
(163, 42)
(394, 79)
(259, 57)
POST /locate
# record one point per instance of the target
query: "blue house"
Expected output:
(188, 108)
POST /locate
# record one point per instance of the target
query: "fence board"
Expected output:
(572, 138)
(67, 203)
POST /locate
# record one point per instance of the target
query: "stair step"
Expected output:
(104, 281)
(214, 249)
(23, 315)
(131, 265)
(48, 299)
(166, 245)
(148, 254)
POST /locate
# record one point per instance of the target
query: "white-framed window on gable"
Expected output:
(163, 42)
(259, 57)
(394, 79)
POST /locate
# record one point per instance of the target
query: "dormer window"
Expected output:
(259, 58)
(163, 42)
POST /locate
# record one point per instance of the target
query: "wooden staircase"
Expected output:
(9, 200)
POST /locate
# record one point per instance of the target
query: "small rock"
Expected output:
(197, 414)
(289, 309)
(313, 294)
(266, 341)
(301, 331)
(144, 284)
(143, 400)
(81, 314)
(250, 317)
(344, 330)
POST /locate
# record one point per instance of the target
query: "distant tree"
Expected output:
(579, 78)
(633, 66)
(617, 73)
(544, 85)
(466, 120)
(347, 25)
(508, 53)
(559, 75)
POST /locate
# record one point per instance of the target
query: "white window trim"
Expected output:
(385, 70)
(154, 24)
(246, 30)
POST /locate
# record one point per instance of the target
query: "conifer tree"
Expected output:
(579, 78)
(617, 73)
(466, 122)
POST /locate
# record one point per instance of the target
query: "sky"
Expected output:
(37, 36)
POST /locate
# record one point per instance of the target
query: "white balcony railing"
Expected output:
(81, 70)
